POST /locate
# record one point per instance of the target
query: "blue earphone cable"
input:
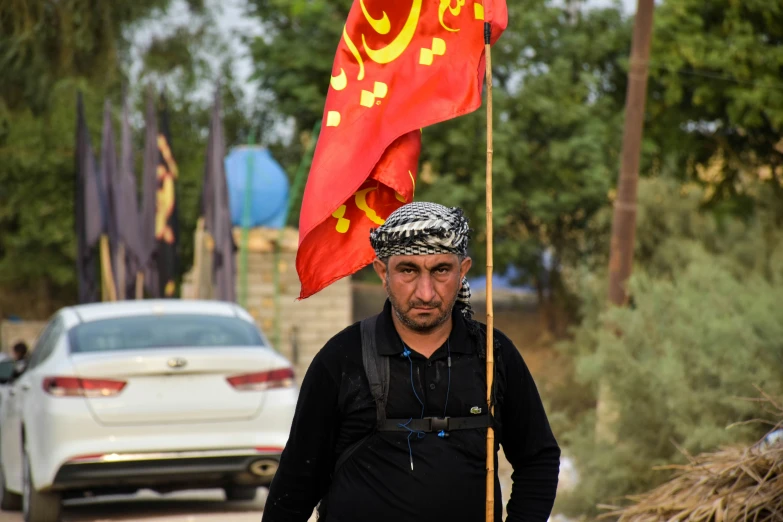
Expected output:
(420, 434)
(407, 353)
(442, 434)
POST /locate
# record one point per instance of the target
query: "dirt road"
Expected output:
(196, 506)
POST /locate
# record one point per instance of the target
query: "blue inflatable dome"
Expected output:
(268, 187)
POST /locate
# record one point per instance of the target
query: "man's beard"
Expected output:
(427, 325)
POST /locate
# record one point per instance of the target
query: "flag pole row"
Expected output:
(126, 245)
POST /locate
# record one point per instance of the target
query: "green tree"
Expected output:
(50, 50)
(44, 41)
(293, 59)
(716, 94)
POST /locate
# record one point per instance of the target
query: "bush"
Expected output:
(706, 325)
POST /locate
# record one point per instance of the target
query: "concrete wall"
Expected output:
(12, 332)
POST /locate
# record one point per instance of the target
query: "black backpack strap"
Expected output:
(376, 367)
(343, 458)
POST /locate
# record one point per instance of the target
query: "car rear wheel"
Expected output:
(240, 493)
(38, 506)
(9, 501)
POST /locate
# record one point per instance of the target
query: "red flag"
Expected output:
(401, 65)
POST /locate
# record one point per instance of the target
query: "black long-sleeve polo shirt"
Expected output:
(448, 479)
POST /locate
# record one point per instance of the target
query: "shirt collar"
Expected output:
(388, 340)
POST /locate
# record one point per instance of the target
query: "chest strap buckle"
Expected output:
(439, 424)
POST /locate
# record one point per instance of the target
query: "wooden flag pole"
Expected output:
(108, 275)
(490, 308)
(121, 286)
(139, 285)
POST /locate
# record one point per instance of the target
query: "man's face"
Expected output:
(423, 289)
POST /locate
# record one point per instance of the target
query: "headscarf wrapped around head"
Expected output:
(419, 229)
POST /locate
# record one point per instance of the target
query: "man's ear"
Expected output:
(464, 267)
(380, 269)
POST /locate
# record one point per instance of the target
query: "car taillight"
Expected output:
(282, 378)
(269, 449)
(78, 387)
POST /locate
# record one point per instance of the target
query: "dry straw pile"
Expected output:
(734, 484)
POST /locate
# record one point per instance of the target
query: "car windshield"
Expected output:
(163, 331)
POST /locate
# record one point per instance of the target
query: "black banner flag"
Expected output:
(166, 222)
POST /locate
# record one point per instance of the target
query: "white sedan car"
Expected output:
(166, 395)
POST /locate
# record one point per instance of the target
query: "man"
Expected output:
(404, 462)
(20, 354)
(19, 351)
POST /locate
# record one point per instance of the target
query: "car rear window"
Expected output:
(163, 331)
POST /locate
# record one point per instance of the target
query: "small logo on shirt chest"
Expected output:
(475, 410)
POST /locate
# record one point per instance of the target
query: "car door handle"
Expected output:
(25, 387)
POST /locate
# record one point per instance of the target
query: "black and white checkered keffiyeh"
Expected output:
(421, 228)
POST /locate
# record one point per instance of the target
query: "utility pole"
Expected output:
(624, 218)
